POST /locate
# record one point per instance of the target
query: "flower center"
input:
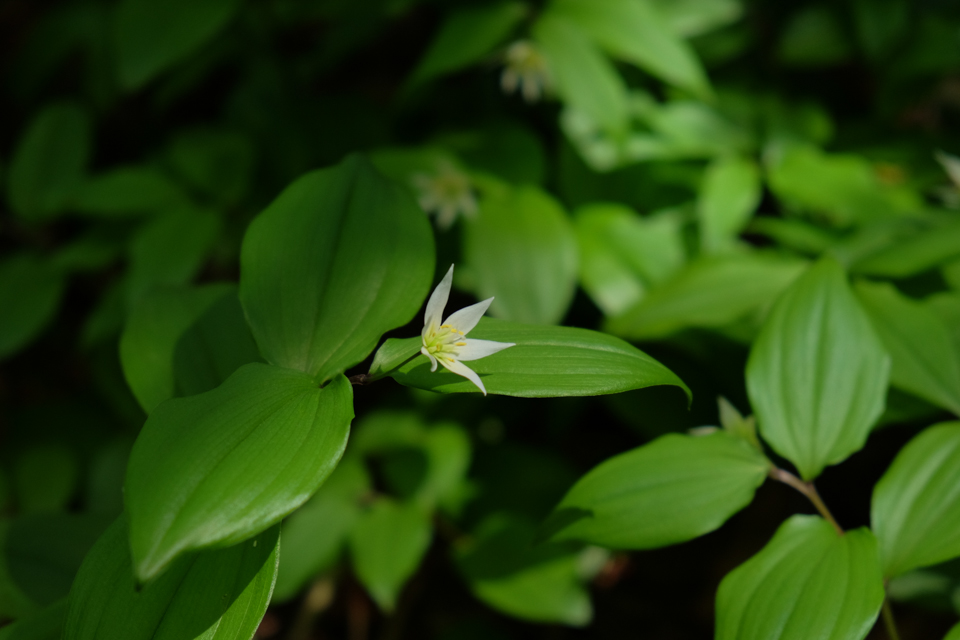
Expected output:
(445, 342)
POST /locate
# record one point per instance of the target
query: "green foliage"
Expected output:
(913, 510)
(671, 490)
(30, 291)
(806, 581)
(308, 279)
(266, 439)
(817, 372)
(226, 591)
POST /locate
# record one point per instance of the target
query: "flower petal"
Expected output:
(435, 305)
(476, 349)
(467, 318)
(433, 360)
(453, 366)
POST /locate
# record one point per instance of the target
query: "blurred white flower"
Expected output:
(446, 342)
(526, 68)
(447, 193)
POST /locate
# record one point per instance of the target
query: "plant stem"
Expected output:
(888, 621)
(807, 489)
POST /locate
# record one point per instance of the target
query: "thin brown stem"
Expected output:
(888, 621)
(361, 379)
(807, 489)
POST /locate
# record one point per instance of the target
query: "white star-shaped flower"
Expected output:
(446, 342)
(525, 68)
(448, 193)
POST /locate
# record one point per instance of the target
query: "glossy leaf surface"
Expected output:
(212, 595)
(339, 258)
(817, 374)
(219, 467)
(808, 582)
(674, 489)
(522, 251)
(924, 359)
(546, 362)
(915, 510)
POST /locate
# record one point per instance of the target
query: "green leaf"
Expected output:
(150, 36)
(691, 18)
(808, 582)
(216, 468)
(522, 251)
(45, 477)
(315, 534)
(621, 253)
(41, 555)
(953, 634)
(634, 31)
(817, 373)
(387, 545)
(466, 36)
(170, 249)
(674, 489)
(728, 197)
(339, 258)
(46, 624)
(924, 359)
(546, 362)
(584, 78)
(216, 163)
(153, 331)
(128, 191)
(30, 292)
(538, 582)
(213, 594)
(903, 257)
(813, 38)
(915, 510)
(48, 164)
(710, 292)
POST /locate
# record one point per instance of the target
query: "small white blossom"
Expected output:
(447, 193)
(526, 68)
(446, 342)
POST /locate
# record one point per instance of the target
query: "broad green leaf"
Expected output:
(45, 477)
(93, 251)
(538, 582)
(212, 595)
(953, 634)
(150, 36)
(710, 292)
(466, 36)
(546, 362)
(946, 306)
(621, 253)
(691, 18)
(149, 342)
(635, 31)
(808, 582)
(522, 251)
(315, 534)
(674, 489)
(40, 557)
(925, 361)
(30, 292)
(904, 257)
(339, 258)
(128, 191)
(170, 249)
(48, 164)
(915, 510)
(216, 468)
(386, 545)
(817, 373)
(728, 197)
(216, 163)
(792, 233)
(843, 188)
(583, 77)
(46, 624)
